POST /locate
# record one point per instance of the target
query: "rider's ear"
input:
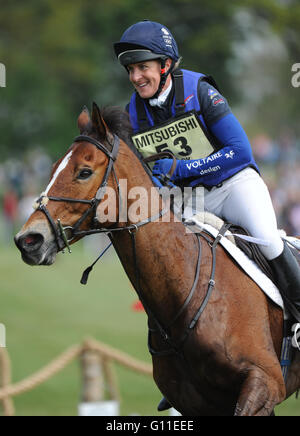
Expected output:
(84, 121)
(98, 123)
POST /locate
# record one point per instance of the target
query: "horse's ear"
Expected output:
(99, 124)
(84, 121)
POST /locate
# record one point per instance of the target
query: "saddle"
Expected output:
(251, 249)
(255, 254)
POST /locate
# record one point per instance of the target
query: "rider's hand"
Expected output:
(163, 167)
(157, 182)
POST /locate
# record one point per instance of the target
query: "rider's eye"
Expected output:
(84, 174)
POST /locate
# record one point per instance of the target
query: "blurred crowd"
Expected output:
(279, 161)
(21, 181)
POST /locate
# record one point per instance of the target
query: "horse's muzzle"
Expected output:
(36, 247)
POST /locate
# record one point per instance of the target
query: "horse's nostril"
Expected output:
(30, 242)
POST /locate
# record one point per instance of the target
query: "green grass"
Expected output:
(46, 310)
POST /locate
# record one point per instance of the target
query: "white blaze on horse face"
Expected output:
(60, 168)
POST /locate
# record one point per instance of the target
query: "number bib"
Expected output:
(183, 136)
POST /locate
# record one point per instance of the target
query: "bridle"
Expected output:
(64, 235)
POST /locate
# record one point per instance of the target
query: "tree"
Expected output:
(59, 57)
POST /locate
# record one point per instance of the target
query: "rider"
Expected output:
(184, 112)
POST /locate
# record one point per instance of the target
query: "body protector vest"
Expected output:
(185, 134)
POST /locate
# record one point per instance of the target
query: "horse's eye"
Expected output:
(84, 174)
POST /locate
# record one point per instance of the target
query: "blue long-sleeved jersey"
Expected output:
(232, 147)
(235, 155)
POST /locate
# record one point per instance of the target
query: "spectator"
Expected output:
(10, 212)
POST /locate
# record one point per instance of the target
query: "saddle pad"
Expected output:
(250, 268)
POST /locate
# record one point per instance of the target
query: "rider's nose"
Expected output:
(29, 242)
(135, 76)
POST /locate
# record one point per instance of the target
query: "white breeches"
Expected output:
(244, 200)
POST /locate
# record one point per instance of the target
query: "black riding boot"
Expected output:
(287, 274)
(164, 405)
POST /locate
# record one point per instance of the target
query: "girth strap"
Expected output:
(177, 347)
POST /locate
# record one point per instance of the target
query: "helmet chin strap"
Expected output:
(164, 75)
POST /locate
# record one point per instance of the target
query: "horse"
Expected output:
(225, 361)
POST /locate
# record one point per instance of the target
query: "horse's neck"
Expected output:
(163, 251)
(157, 266)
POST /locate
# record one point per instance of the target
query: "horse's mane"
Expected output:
(118, 122)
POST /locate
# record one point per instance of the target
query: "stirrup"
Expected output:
(296, 337)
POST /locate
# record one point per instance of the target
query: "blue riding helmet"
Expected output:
(145, 41)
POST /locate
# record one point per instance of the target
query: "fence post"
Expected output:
(92, 378)
(5, 380)
(93, 401)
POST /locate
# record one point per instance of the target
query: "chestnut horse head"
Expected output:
(79, 180)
